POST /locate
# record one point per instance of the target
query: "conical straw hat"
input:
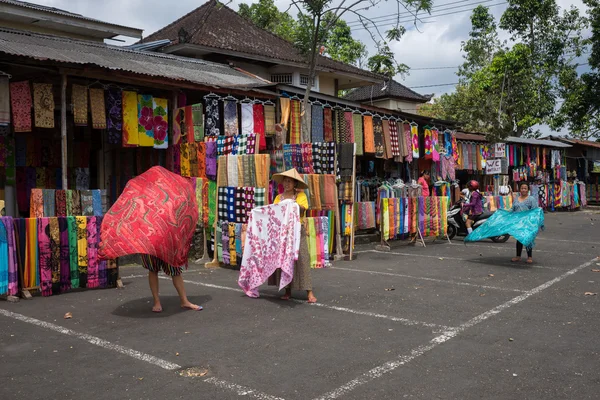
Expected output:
(291, 173)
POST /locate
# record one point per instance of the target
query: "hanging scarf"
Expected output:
(357, 125)
(31, 269)
(4, 258)
(92, 253)
(258, 113)
(82, 247)
(305, 123)
(434, 145)
(198, 121)
(328, 125)
(20, 100)
(369, 134)
(49, 202)
(114, 120)
(160, 112)
(387, 140)
(65, 271)
(295, 123)
(79, 96)
(317, 123)
(73, 255)
(394, 139)
(130, 119)
(45, 256)
(247, 118)
(145, 120)
(43, 105)
(98, 108)
(61, 203)
(428, 144)
(213, 119)
(231, 117)
(414, 135)
(269, 120)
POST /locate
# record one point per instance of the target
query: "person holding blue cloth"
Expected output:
(522, 203)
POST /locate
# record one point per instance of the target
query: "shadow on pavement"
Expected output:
(142, 308)
(503, 261)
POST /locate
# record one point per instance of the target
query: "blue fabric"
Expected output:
(528, 204)
(3, 259)
(97, 202)
(523, 226)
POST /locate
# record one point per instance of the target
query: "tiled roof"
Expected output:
(217, 26)
(70, 51)
(392, 89)
(56, 11)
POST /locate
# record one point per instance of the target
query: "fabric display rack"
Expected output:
(56, 250)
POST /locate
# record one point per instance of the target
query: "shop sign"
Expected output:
(493, 166)
(596, 169)
(500, 150)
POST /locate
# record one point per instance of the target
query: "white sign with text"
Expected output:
(493, 167)
(500, 150)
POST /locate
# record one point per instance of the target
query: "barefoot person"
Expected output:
(154, 265)
(522, 203)
(292, 183)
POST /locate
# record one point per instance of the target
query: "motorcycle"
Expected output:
(457, 225)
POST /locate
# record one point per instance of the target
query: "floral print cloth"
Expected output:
(20, 101)
(272, 242)
(43, 105)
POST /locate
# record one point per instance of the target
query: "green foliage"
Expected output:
(267, 16)
(580, 111)
(508, 90)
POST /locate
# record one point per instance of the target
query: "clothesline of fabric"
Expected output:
(401, 216)
(63, 203)
(56, 254)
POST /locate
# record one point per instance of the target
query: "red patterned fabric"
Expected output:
(156, 214)
(259, 125)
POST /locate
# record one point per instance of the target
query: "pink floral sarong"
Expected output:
(272, 241)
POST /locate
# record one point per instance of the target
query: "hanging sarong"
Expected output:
(82, 249)
(92, 253)
(247, 118)
(328, 125)
(130, 119)
(145, 120)
(61, 203)
(394, 139)
(414, 136)
(317, 123)
(213, 118)
(258, 113)
(20, 100)
(387, 140)
(378, 137)
(434, 145)
(198, 122)
(160, 110)
(211, 160)
(357, 125)
(49, 202)
(269, 120)
(73, 259)
(295, 123)
(98, 108)
(65, 271)
(231, 118)
(45, 256)
(114, 119)
(79, 97)
(31, 275)
(427, 142)
(369, 134)
(43, 105)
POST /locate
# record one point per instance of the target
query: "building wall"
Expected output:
(396, 105)
(327, 85)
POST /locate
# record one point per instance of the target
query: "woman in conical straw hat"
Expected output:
(293, 186)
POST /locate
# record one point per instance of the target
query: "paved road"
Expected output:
(461, 323)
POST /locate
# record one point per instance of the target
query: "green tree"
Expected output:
(580, 111)
(506, 91)
(266, 15)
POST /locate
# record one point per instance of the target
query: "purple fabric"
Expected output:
(102, 264)
(421, 210)
(211, 160)
(45, 256)
(13, 280)
(114, 115)
(475, 204)
(65, 268)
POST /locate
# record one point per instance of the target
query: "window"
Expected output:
(282, 78)
(303, 80)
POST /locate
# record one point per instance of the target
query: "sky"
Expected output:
(436, 43)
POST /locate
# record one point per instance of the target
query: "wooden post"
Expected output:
(63, 129)
(350, 255)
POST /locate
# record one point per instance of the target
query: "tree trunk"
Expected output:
(311, 74)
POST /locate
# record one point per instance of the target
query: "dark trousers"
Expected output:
(520, 250)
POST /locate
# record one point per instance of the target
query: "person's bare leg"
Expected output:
(183, 300)
(153, 281)
(288, 293)
(311, 296)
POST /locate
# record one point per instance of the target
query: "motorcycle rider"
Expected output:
(474, 208)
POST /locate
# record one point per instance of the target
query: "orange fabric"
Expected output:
(369, 136)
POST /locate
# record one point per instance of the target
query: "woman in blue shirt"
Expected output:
(522, 203)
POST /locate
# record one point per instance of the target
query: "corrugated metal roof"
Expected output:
(537, 142)
(470, 136)
(586, 143)
(64, 50)
(58, 11)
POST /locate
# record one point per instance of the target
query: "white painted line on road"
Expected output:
(138, 355)
(240, 390)
(408, 254)
(93, 340)
(444, 337)
(403, 321)
(431, 279)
